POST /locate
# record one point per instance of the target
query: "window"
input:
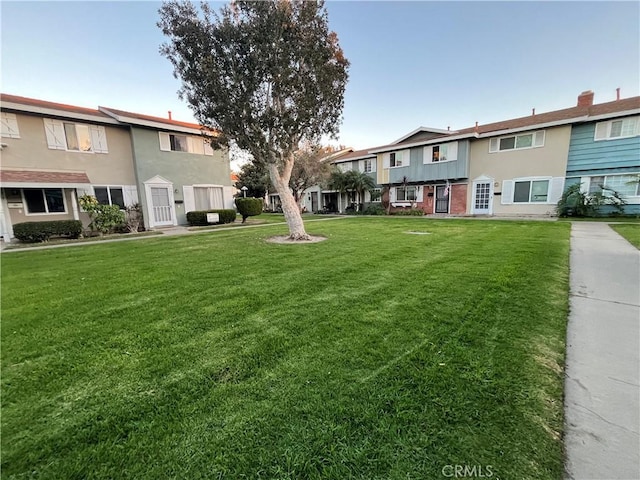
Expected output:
(110, 196)
(44, 200)
(406, 194)
(367, 166)
(10, 125)
(75, 137)
(175, 142)
(376, 195)
(516, 142)
(178, 143)
(440, 153)
(627, 185)
(620, 128)
(395, 159)
(531, 191)
(208, 198)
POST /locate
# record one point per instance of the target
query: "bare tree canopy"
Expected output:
(267, 75)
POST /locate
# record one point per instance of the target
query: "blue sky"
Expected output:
(435, 64)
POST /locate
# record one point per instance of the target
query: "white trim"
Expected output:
(435, 141)
(5, 221)
(609, 125)
(159, 182)
(531, 180)
(424, 129)
(489, 210)
(150, 123)
(515, 141)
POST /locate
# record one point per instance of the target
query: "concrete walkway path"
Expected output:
(602, 383)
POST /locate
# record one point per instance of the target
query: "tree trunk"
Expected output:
(289, 206)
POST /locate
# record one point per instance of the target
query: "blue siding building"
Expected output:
(607, 154)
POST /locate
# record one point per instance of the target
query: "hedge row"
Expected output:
(199, 217)
(32, 232)
(249, 207)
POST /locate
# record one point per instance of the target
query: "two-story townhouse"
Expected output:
(352, 160)
(518, 166)
(425, 169)
(176, 169)
(604, 151)
(52, 151)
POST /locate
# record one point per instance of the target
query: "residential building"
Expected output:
(53, 153)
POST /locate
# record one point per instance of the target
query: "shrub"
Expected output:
(104, 218)
(249, 207)
(32, 232)
(199, 217)
(374, 210)
(414, 212)
(576, 203)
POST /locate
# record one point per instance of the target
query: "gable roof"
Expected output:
(32, 105)
(151, 121)
(423, 130)
(352, 154)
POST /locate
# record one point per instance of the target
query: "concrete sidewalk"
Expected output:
(602, 384)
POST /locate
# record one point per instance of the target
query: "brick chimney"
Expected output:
(585, 99)
(169, 112)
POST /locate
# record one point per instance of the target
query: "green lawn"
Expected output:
(630, 232)
(376, 354)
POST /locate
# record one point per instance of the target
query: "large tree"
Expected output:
(268, 75)
(310, 168)
(255, 177)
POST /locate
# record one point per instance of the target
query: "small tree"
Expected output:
(267, 75)
(309, 169)
(576, 203)
(104, 218)
(255, 177)
(249, 207)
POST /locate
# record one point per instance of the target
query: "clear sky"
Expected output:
(435, 64)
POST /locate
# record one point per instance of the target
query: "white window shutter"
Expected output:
(493, 145)
(507, 192)
(189, 199)
(227, 197)
(419, 193)
(406, 158)
(130, 194)
(374, 162)
(392, 194)
(556, 188)
(385, 161)
(207, 147)
(538, 139)
(98, 139)
(10, 125)
(165, 142)
(452, 151)
(601, 130)
(427, 155)
(54, 131)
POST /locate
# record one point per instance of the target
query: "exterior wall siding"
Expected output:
(30, 151)
(180, 168)
(588, 157)
(549, 160)
(417, 171)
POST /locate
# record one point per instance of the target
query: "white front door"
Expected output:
(482, 197)
(161, 206)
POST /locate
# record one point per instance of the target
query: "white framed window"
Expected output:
(366, 166)
(75, 137)
(445, 152)
(344, 167)
(517, 142)
(406, 194)
(10, 125)
(208, 197)
(44, 201)
(626, 185)
(110, 196)
(532, 190)
(376, 195)
(180, 142)
(395, 160)
(619, 128)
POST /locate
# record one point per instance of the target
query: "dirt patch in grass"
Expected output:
(286, 240)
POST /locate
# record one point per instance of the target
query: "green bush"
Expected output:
(374, 210)
(199, 217)
(576, 203)
(249, 207)
(32, 232)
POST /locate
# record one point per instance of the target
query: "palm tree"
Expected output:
(359, 182)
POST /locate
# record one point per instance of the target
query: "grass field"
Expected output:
(630, 232)
(376, 354)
